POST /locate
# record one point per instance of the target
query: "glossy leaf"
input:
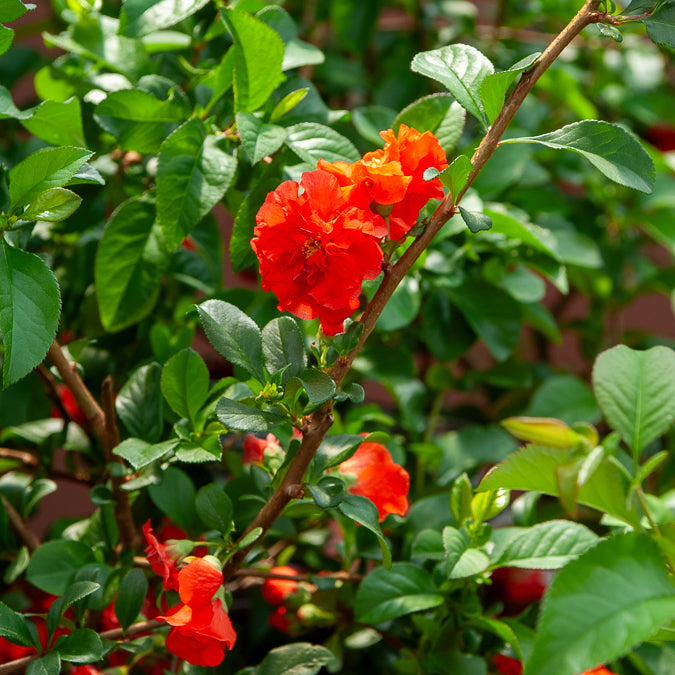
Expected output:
(235, 415)
(298, 658)
(141, 17)
(57, 123)
(54, 564)
(311, 142)
(461, 68)
(328, 492)
(139, 403)
(608, 147)
(661, 25)
(387, 594)
(140, 453)
(362, 511)
(78, 590)
(165, 496)
(52, 205)
(193, 173)
(258, 55)
(214, 508)
(185, 383)
(336, 449)
(49, 664)
(10, 10)
(455, 543)
(283, 346)
(595, 611)
(83, 645)
(475, 220)
(259, 139)
(30, 304)
(455, 176)
(14, 627)
(129, 265)
(130, 597)
(636, 392)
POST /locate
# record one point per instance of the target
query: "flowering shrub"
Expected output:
(419, 446)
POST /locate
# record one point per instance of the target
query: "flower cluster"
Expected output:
(201, 628)
(507, 665)
(316, 246)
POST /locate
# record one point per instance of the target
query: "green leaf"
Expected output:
(387, 594)
(361, 510)
(318, 385)
(130, 597)
(336, 449)
(30, 304)
(606, 30)
(299, 658)
(235, 415)
(44, 169)
(76, 591)
(52, 205)
(7, 107)
(455, 176)
(258, 55)
(185, 383)
(602, 605)
(547, 546)
(611, 149)
(215, 508)
(494, 86)
(636, 392)
(661, 25)
(175, 497)
(140, 453)
(566, 397)
(493, 314)
(438, 113)
(402, 307)
(14, 627)
(475, 220)
(283, 346)
(50, 664)
(83, 645)
(287, 103)
(311, 142)
(455, 544)
(129, 265)
(371, 119)
(193, 173)
(57, 123)
(328, 492)
(54, 564)
(141, 17)
(461, 68)
(534, 468)
(10, 10)
(139, 403)
(233, 334)
(259, 140)
(471, 563)
(138, 120)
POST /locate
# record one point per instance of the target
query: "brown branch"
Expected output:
(24, 533)
(105, 427)
(30, 461)
(301, 576)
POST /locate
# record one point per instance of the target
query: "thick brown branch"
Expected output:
(105, 426)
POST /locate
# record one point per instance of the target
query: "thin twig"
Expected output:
(30, 461)
(24, 533)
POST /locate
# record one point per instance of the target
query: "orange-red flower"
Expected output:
(201, 628)
(316, 249)
(600, 670)
(254, 448)
(394, 175)
(161, 559)
(275, 591)
(378, 478)
(507, 665)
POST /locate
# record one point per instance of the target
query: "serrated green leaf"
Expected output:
(185, 383)
(83, 645)
(130, 597)
(52, 205)
(259, 139)
(336, 449)
(387, 594)
(129, 265)
(215, 508)
(438, 113)
(636, 392)
(455, 543)
(240, 417)
(318, 385)
(175, 497)
(76, 591)
(461, 68)
(595, 611)
(10, 10)
(258, 55)
(141, 17)
(661, 25)
(57, 123)
(30, 304)
(611, 149)
(455, 176)
(50, 664)
(140, 453)
(7, 107)
(193, 173)
(283, 346)
(533, 468)
(547, 546)
(328, 492)
(361, 510)
(44, 169)
(299, 658)
(312, 141)
(139, 403)
(14, 627)
(54, 564)
(233, 334)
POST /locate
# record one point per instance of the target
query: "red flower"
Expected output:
(201, 626)
(70, 405)
(519, 587)
(507, 665)
(600, 670)
(394, 175)
(84, 670)
(316, 249)
(379, 478)
(161, 560)
(279, 619)
(254, 448)
(275, 591)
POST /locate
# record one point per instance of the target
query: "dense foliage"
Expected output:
(282, 287)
